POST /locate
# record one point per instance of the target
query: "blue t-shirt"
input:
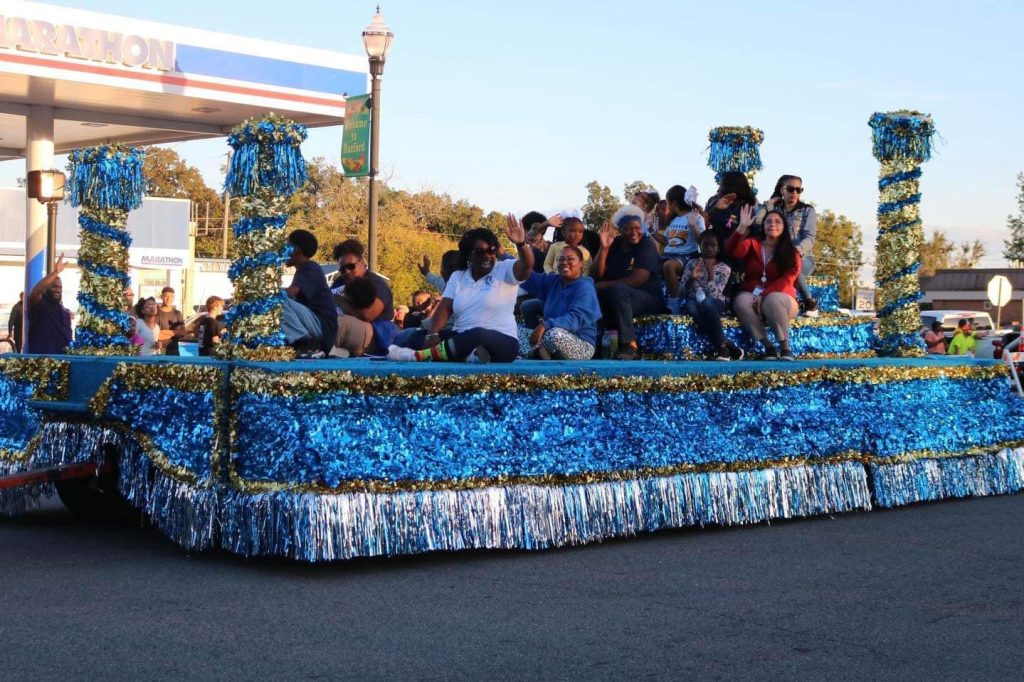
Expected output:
(314, 294)
(49, 327)
(622, 261)
(571, 307)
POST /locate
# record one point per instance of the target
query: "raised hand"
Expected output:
(425, 265)
(725, 201)
(59, 266)
(746, 219)
(514, 230)
(555, 220)
(607, 235)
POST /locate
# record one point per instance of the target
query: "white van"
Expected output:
(984, 329)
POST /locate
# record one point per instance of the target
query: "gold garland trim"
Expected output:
(386, 487)
(51, 377)
(253, 380)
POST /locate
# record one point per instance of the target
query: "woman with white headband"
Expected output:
(627, 271)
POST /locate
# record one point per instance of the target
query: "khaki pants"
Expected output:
(354, 335)
(777, 310)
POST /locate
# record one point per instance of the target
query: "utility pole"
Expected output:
(227, 217)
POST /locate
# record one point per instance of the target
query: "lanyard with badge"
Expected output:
(764, 270)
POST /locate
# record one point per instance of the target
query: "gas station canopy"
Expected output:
(112, 79)
(71, 79)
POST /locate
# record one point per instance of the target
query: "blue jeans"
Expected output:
(299, 322)
(806, 270)
(708, 317)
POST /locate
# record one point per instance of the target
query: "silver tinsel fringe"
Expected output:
(16, 501)
(314, 527)
(186, 513)
(937, 479)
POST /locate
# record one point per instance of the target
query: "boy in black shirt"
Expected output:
(211, 327)
(310, 319)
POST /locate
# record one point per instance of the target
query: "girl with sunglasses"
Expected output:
(480, 297)
(802, 222)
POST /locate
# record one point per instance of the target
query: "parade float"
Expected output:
(333, 459)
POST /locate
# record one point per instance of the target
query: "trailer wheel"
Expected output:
(96, 499)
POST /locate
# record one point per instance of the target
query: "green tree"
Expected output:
(600, 206)
(936, 253)
(1014, 251)
(968, 255)
(168, 175)
(631, 188)
(838, 252)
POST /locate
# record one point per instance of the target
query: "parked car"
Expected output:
(1002, 342)
(984, 329)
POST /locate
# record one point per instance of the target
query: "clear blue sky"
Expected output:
(517, 105)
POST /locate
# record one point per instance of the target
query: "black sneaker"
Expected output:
(786, 355)
(479, 356)
(769, 350)
(735, 352)
(627, 353)
(810, 308)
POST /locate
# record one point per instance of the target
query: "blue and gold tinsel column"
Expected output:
(735, 148)
(105, 183)
(902, 141)
(266, 169)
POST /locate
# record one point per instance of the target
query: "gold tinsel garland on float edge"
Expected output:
(902, 141)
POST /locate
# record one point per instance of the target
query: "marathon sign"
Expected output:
(157, 259)
(87, 44)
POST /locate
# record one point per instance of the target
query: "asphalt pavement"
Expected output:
(932, 591)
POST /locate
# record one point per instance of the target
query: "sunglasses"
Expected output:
(791, 188)
(490, 250)
(350, 266)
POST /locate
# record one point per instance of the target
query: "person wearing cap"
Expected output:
(627, 272)
(963, 342)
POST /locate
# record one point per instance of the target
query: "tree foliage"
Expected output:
(631, 188)
(968, 254)
(838, 252)
(1014, 251)
(939, 252)
(600, 206)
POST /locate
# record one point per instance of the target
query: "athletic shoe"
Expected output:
(810, 308)
(627, 353)
(479, 356)
(735, 352)
(723, 354)
(399, 354)
(769, 350)
(786, 354)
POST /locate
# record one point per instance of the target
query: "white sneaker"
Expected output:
(339, 352)
(399, 354)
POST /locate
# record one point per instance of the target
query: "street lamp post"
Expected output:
(377, 41)
(47, 187)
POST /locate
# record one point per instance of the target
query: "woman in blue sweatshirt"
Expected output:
(571, 311)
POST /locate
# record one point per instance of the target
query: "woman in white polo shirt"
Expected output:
(480, 298)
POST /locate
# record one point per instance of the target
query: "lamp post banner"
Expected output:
(355, 143)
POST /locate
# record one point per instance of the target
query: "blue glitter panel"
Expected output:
(329, 438)
(18, 422)
(678, 338)
(179, 423)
